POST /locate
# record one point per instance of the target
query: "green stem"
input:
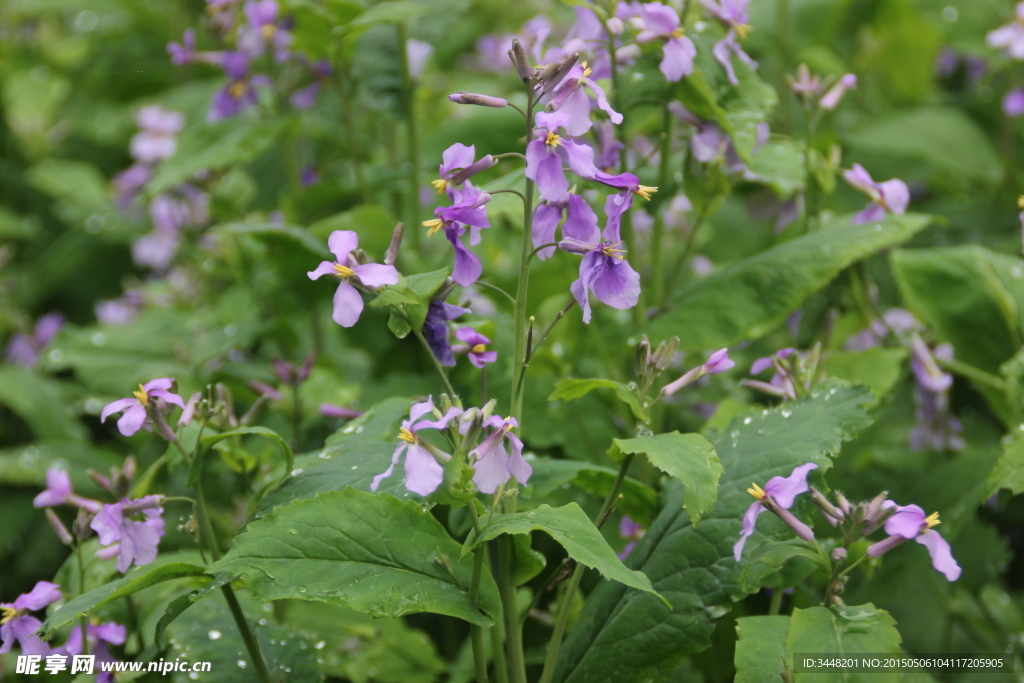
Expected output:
(810, 192)
(412, 138)
(497, 641)
(477, 632)
(577, 576)
(510, 612)
(681, 261)
(972, 373)
(664, 178)
(84, 621)
(519, 314)
(776, 604)
(437, 365)
(351, 134)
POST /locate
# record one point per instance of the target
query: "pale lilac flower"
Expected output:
(348, 303)
(891, 196)
(608, 145)
(132, 541)
(135, 408)
(185, 52)
(436, 332)
(782, 383)
(717, 363)
(331, 410)
(926, 371)
(423, 474)
(128, 183)
(548, 151)
(727, 48)
(580, 223)
(24, 348)
(121, 311)
(493, 464)
(158, 137)
(632, 532)
(492, 52)
(417, 52)
(469, 209)
(805, 85)
(263, 30)
(17, 625)
(837, 92)
(909, 522)
(1010, 37)
(99, 636)
(661, 22)
(605, 272)
(778, 496)
(569, 97)
(1013, 103)
(459, 164)
(475, 345)
(58, 492)
(935, 428)
(190, 409)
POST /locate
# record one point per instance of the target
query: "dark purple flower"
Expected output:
(891, 196)
(909, 522)
(240, 93)
(135, 408)
(16, 625)
(661, 22)
(605, 272)
(1010, 36)
(458, 164)
(493, 464)
(569, 97)
(348, 303)
(475, 345)
(136, 540)
(423, 473)
(468, 210)
(436, 332)
(24, 348)
(99, 636)
(778, 496)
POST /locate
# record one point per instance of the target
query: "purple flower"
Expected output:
(605, 272)
(24, 348)
(805, 84)
(157, 139)
(909, 522)
(17, 625)
(240, 93)
(475, 346)
(423, 474)
(608, 145)
(417, 52)
(570, 98)
(136, 540)
(491, 461)
(727, 48)
(185, 52)
(492, 52)
(1013, 103)
(778, 496)
(834, 96)
(936, 427)
(1010, 37)
(580, 223)
(58, 492)
(468, 210)
(547, 152)
(348, 303)
(135, 408)
(662, 23)
(436, 332)
(330, 410)
(782, 383)
(262, 30)
(926, 371)
(890, 196)
(717, 363)
(732, 13)
(458, 164)
(631, 531)
(128, 183)
(99, 636)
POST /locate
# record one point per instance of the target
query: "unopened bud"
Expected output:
(801, 529)
(80, 528)
(690, 377)
(834, 96)
(360, 257)
(445, 404)
(833, 514)
(465, 174)
(552, 74)
(131, 466)
(101, 481)
(643, 357)
(444, 290)
(489, 407)
(522, 63)
(839, 554)
(665, 353)
(615, 26)
(479, 100)
(844, 504)
(875, 506)
(58, 526)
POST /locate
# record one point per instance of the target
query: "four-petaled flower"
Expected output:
(348, 303)
(891, 196)
(58, 492)
(468, 209)
(605, 272)
(131, 541)
(777, 496)
(492, 463)
(16, 624)
(661, 22)
(135, 408)
(423, 473)
(910, 522)
(99, 636)
(571, 99)
(475, 345)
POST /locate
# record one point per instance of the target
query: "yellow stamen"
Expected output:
(8, 614)
(932, 520)
(434, 226)
(478, 348)
(236, 90)
(343, 271)
(141, 395)
(552, 140)
(645, 191)
(441, 184)
(742, 30)
(586, 70)
(678, 33)
(405, 435)
(1020, 202)
(757, 492)
(268, 31)
(610, 250)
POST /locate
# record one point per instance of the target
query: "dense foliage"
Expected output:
(425, 340)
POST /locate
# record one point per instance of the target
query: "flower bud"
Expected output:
(690, 377)
(522, 63)
(465, 174)
(801, 529)
(575, 246)
(844, 504)
(58, 526)
(101, 481)
(552, 74)
(643, 357)
(665, 353)
(444, 290)
(479, 100)
(833, 514)
(391, 255)
(839, 554)
(615, 26)
(834, 96)
(489, 407)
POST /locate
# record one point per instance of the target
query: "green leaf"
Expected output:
(38, 401)
(878, 368)
(527, 562)
(780, 165)
(624, 635)
(639, 501)
(568, 389)
(574, 531)
(136, 580)
(690, 458)
(774, 554)
(280, 233)
(761, 649)
(195, 470)
(389, 12)
(844, 631)
(183, 602)
(1008, 472)
(731, 304)
(373, 553)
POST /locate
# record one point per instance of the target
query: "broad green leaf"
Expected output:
(352, 456)
(373, 553)
(639, 501)
(183, 602)
(195, 470)
(780, 165)
(136, 580)
(389, 12)
(280, 233)
(774, 554)
(38, 401)
(574, 531)
(944, 137)
(843, 631)
(624, 635)
(74, 182)
(761, 649)
(731, 304)
(878, 368)
(1008, 472)
(690, 458)
(569, 389)
(527, 562)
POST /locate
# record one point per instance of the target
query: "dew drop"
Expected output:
(324, 455)
(320, 645)
(297, 471)
(242, 663)
(214, 634)
(355, 467)
(747, 420)
(785, 412)
(194, 676)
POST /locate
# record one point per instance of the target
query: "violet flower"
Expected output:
(661, 22)
(805, 85)
(263, 30)
(417, 52)
(891, 196)
(569, 97)
(348, 303)
(184, 52)
(132, 541)
(331, 410)
(493, 464)
(135, 408)
(1010, 37)
(24, 348)
(548, 151)
(605, 272)
(936, 427)
(717, 363)
(727, 48)
(157, 140)
(609, 147)
(1013, 103)
(58, 492)
(17, 625)
(631, 531)
(837, 92)
(99, 636)
(580, 223)
(909, 522)
(423, 474)
(778, 496)
(128, 183)
(475, 345)
(468, 210)
(436, 332)
(459, 164)
(240, 93)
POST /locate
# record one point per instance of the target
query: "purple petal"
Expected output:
(168, 397)
(305, 98)
(545, 222)
(1013, 103)
(470, 336)
(860, 179)
(760, 365)
(42, 594)
(580, 158)
(457, 156)
(348, 305)
(110, 632)
(325, 268)
(677, 58)
(619, 285)
(551, 181)
(467, 266)
(749, 520)
(58, 488)
(491, 468)
(784, 490)
(517, 466)
(580, 289)
(161, 383)
(708, 142)
(391, 468)
(107, 523)
(942, 558)
(873, 212)
(719, 362)
(907, 522)
(341, 242)
(580, 221)
(418, 410)
(376, 275)
(577, 107)
(139, 543)
(895, 194)
(132, 420)
(722, 52)
(659, 18)
(614, 207)
(423, 474)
